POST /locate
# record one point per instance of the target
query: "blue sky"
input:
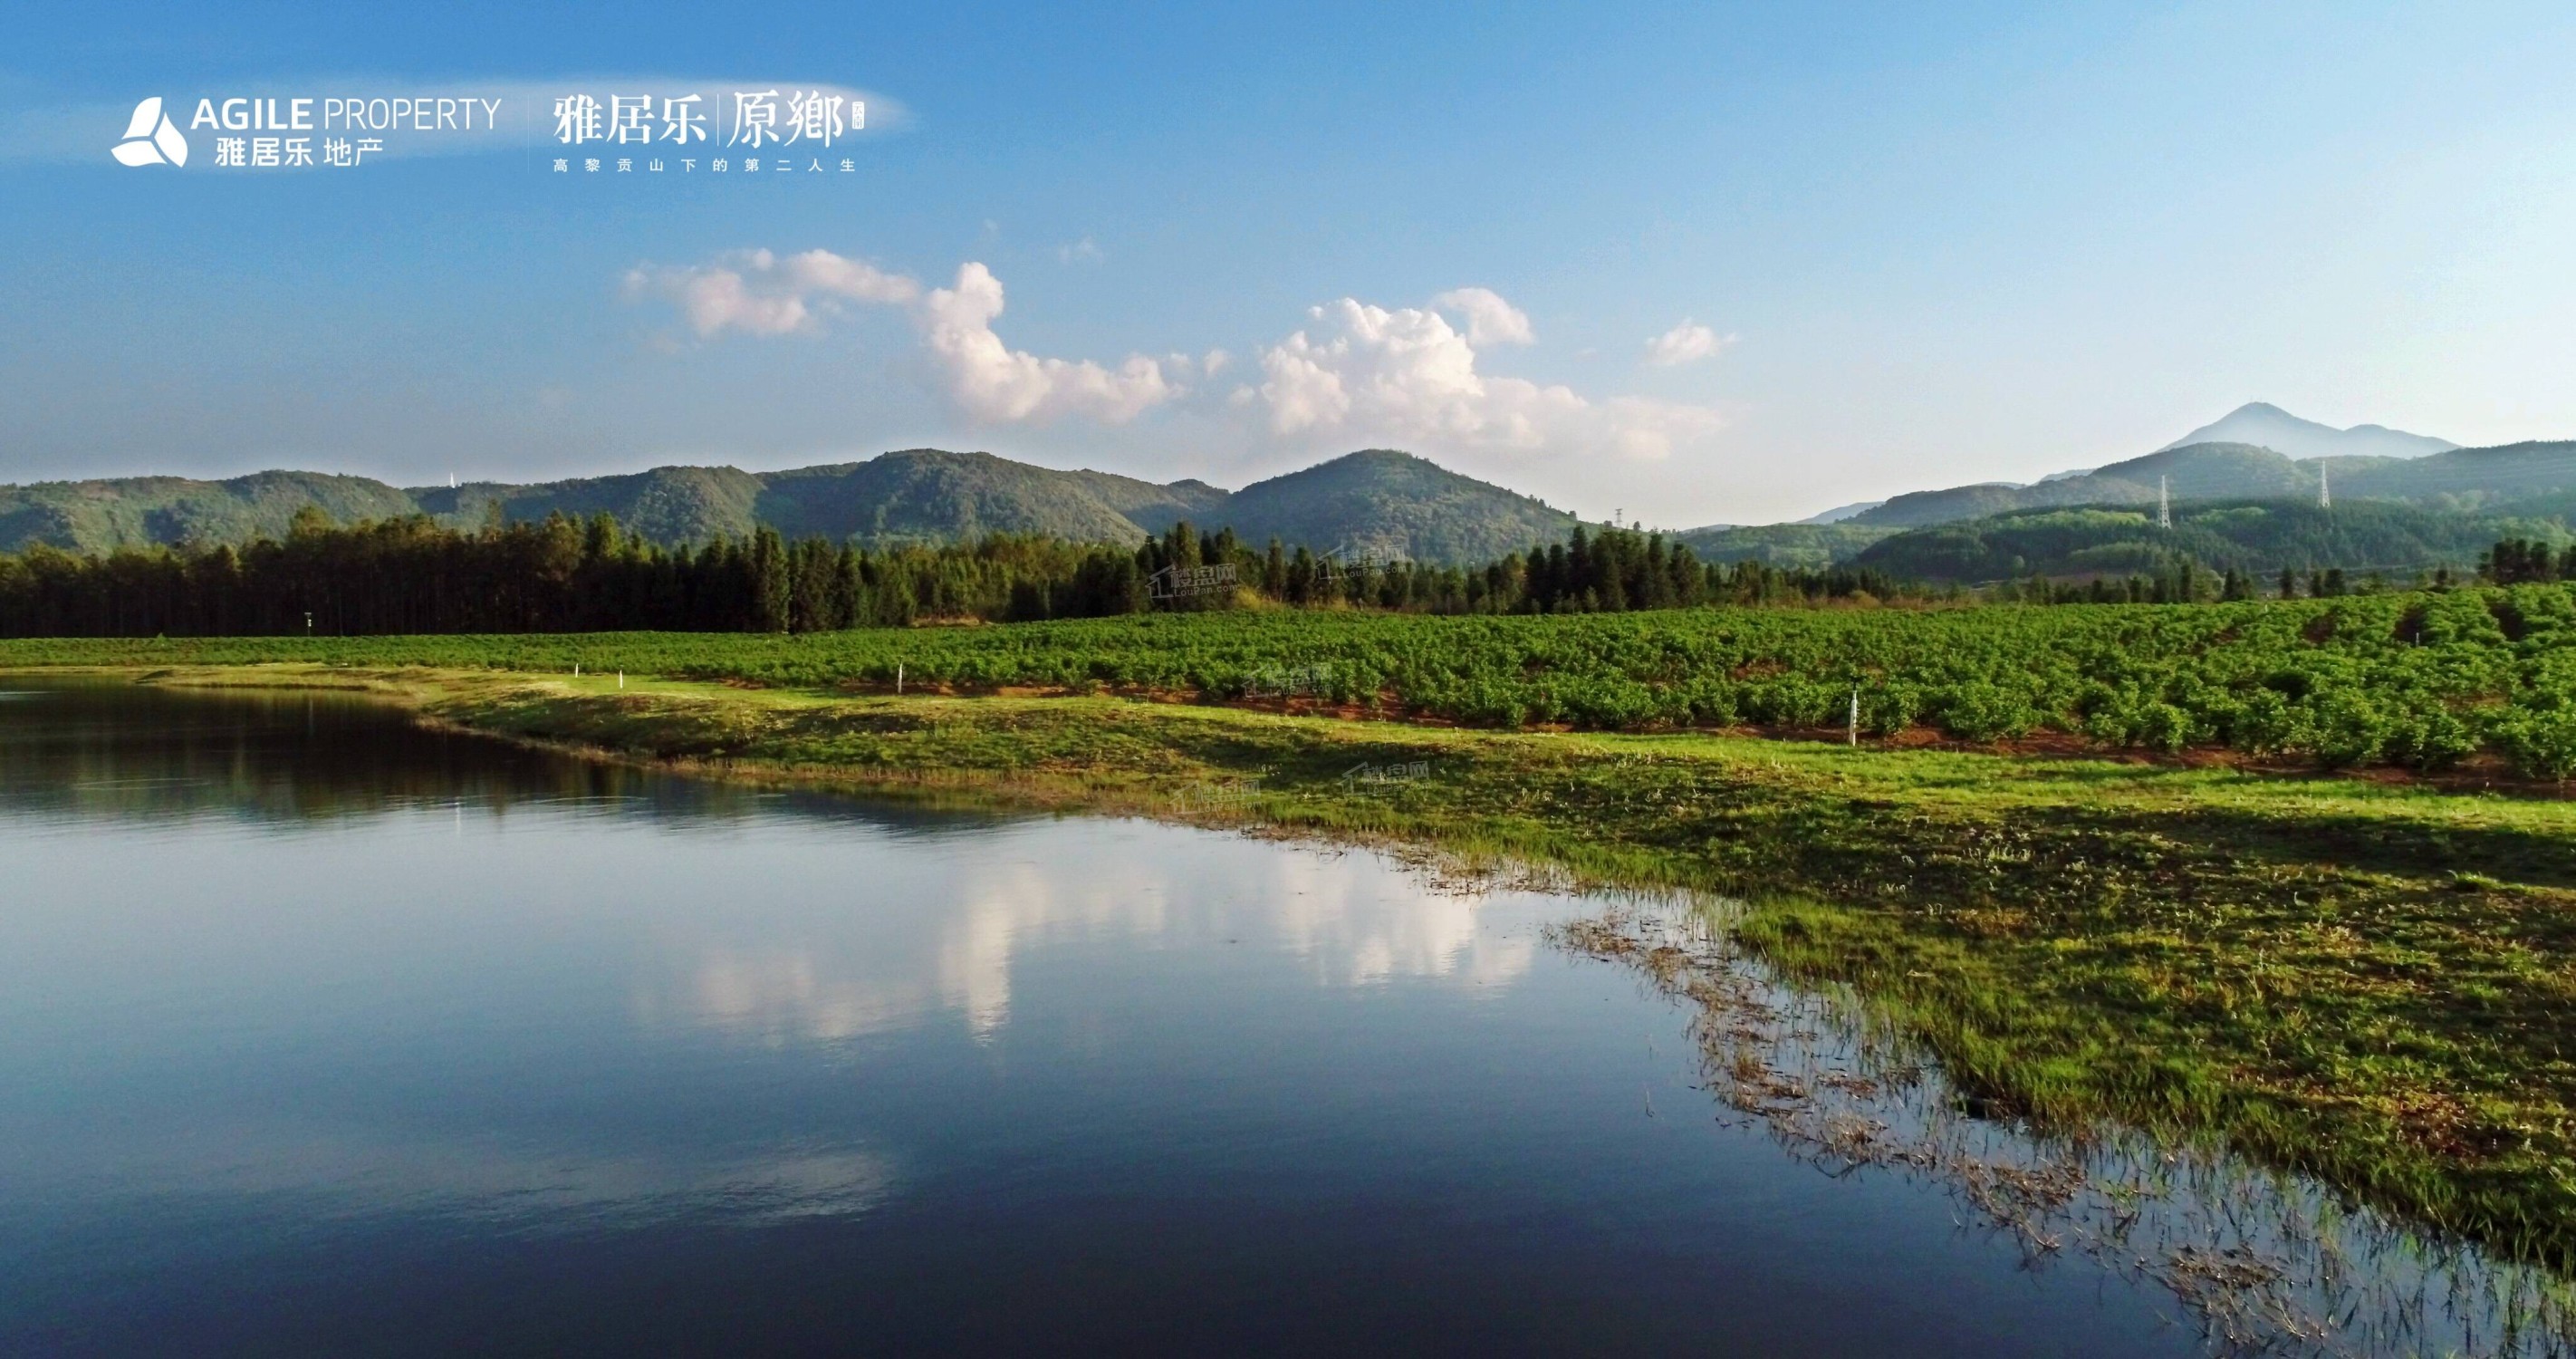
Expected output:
(1700, 263)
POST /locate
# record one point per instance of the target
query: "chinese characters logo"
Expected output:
(798, 124)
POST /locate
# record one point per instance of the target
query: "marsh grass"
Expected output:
(2259, 1261)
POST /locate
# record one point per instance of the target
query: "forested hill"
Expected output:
(2256, 537)
(1376, 501)
(94, 516)
(1394, 505)
(1813, 546)
(2485, 479)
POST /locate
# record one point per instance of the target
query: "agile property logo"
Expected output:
(151, 138)
(258, 132)
(631, 126)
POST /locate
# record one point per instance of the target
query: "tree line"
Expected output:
(411, 575)
(2526, 561)
(2512, 561)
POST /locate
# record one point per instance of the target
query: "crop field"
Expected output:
(2421, 679)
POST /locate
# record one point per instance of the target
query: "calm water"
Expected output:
(321, 1034)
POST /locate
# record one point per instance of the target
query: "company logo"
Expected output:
(151, 138)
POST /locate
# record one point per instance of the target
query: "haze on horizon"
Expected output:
(1705, 266)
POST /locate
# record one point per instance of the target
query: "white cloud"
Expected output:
(1490, 319)
(759, 293)
(1688, 342)
(1406, 376)
(1084, 251)
(995, 382)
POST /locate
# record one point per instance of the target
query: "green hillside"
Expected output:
(134, 511)
(667, 504)
(2192, 472)
(2489, 479)
(1379, 501)
(1787, 545)
(2257, 537)
(1394, 504)
(2467, 476)
(926, 495)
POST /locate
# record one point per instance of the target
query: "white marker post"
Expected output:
(1855, 718)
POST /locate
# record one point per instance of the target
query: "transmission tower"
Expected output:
(2325, 496)
(2164, 504)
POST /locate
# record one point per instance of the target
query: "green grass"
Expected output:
(2370, 981)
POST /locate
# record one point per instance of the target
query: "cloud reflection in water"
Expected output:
(943, 938)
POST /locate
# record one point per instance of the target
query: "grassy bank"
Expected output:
(2367, 980)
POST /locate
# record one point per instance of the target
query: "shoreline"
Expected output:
(2355, 980)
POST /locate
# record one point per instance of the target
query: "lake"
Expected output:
(322, 1033)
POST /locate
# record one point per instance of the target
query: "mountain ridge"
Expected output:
(2466, 479)
(1378, 501)
(2268, 426)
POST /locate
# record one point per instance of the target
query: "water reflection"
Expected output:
(2264, 1262)
(80, 752)
(319, 1032)
(349, 1171)
(947, 941)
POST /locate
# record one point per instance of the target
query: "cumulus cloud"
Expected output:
(1490, 319)
(1688, 342)
(995, 382)
(1406, 375)
(757, 293)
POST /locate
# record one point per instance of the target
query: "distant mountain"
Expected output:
(2459, 479)
(1373, 501)
(1395, 504)
(134, 511)
(666, 504)
(928, 495)
(2463, 477)
(1807, 544)
(2257, 451)
(2259, 537)
(2195, 472)
(2268, 426)
(1840, 513)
